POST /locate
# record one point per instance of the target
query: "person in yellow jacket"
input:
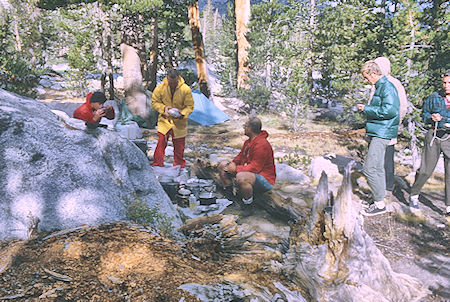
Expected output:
(173, 101)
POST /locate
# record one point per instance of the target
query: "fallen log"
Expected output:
(334, 259)
(197, 223)
(278, 206)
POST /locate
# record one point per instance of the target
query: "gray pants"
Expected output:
(374, 167)
(430, 157)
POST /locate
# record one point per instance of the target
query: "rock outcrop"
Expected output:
(64, 177)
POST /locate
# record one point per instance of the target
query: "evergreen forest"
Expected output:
(298, 54)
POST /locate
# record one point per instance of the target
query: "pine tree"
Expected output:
(227, 58)
(346, 37)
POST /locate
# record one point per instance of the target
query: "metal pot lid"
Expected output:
(207, 195)
(184, 191)
(192, 185)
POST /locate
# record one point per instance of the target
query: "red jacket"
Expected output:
(85, 112)
(257, 156)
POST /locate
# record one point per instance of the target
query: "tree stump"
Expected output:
(135, 96)
(334, 259)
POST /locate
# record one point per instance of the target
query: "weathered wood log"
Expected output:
(216, 235)
(197, 223)
(334, 259)
(278, 206)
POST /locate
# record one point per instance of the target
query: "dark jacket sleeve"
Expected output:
(434, 104)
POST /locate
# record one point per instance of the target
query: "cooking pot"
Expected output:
(171, 189)
(183, 197)
(193, 187)
(207, 198)
(207, 187)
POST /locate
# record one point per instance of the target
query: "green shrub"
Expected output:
(139, 212)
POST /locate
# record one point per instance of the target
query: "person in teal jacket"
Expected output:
(383, 116)
(436, 114)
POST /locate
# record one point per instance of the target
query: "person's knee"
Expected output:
(244, 178)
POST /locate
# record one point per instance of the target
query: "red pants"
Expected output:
(178, 150)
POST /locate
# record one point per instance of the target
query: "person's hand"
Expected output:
(360, 107)
(230, 168)
(98, 114)
(166, 111)
(436, 117)
(107, 108)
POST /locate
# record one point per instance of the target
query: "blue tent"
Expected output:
(205, 112)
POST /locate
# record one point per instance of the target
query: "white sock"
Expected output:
(414, 199)
(448, 209)
(380, 204)
(247, 201)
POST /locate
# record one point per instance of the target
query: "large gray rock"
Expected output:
(288, 174)
(67, 177)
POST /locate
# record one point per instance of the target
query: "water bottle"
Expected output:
(192, 201)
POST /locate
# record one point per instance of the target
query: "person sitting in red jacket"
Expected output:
(254, 167)
(93, 110)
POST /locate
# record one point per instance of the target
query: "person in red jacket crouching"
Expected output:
(93, 110)
(253, 168)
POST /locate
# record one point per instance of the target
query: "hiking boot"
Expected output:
(414, 204)
(373, 210)
(365, 204)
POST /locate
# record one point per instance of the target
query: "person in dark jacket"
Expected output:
(436, 114)
(93, 110)
(254, 167)
(382, 125)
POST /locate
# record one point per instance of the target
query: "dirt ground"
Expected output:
(118, 262)
(124, 262)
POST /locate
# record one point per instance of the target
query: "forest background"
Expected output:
(301, 54)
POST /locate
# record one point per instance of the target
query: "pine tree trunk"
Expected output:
(112, 95)
(153, 69)
(106, 50)
(216, 17)
(312, 25)
(110, 66)
(242, 11)
(198, 49)
(103, 82)
(268, 75)
(204, 29)
(411, 45)
(16, 32)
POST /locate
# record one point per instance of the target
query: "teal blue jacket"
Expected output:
(383, 114)
(435, 103)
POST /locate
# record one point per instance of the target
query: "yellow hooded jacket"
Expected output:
(181, 99)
